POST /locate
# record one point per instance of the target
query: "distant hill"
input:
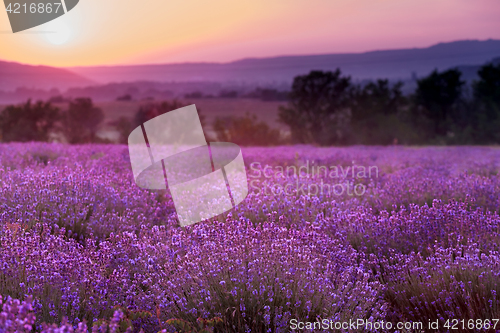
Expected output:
(404, 64)
(14, 75)
(469, 72)
(393, 64)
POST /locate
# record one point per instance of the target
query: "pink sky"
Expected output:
(110, 32)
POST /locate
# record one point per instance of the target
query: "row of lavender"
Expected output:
(417, 242)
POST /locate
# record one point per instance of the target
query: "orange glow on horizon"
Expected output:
(115, 32)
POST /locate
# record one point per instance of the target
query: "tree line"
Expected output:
(79, 124)
(42, 121)
(326, 108)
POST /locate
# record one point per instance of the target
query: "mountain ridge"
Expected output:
(392, 64)
(16, 75)
(396, 64)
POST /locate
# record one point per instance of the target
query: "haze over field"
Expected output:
(256, 43)
(392, 64)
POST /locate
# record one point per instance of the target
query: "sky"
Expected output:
(121, 32)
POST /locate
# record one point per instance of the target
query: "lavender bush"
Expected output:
(83, 249)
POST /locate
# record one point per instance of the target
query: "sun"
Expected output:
(58, 32)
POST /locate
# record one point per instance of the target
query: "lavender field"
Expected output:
(374, 235)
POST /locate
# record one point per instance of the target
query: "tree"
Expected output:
(28, 122)
(318, 108)
(487, 104)
(245, 131)
(376, 114)
(81, 121)
(437, 96)
(124, 127)
(377, 98)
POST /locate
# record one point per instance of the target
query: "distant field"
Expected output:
(209, 107)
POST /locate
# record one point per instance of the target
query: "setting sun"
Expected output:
(57, 32)
(122, 32)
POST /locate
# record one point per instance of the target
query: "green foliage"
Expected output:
(42, 156)
(202, 325)
(122, 321)
(454, 292)
(28, 122)
(318, 108)
(245, 131)
(81, 121)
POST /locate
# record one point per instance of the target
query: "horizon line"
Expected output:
(254, 58)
